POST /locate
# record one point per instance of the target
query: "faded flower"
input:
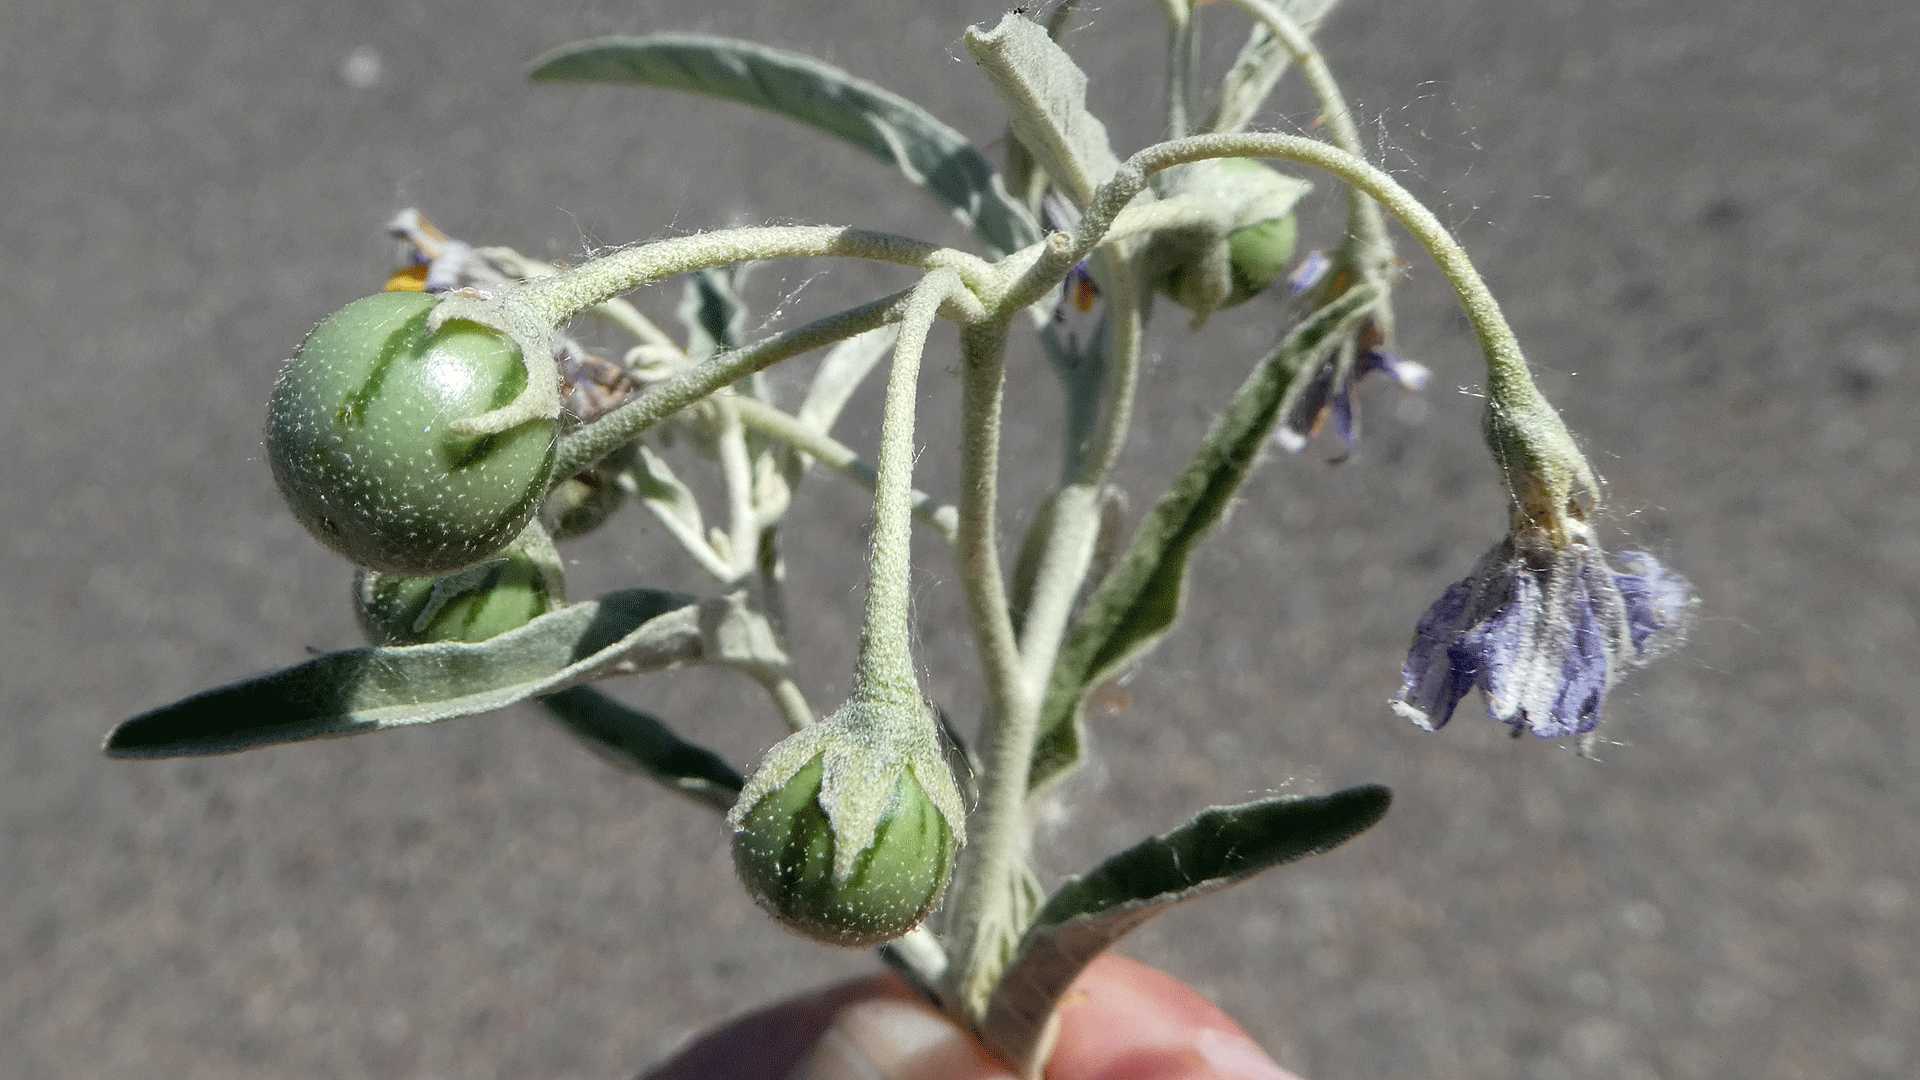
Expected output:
(1543, 631)
(1327, 384)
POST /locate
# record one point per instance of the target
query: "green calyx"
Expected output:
(472, 605)
(846, 834)
(359, 441)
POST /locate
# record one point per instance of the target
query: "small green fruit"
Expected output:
(1257, 202)
(358, 441)
(1259, 256)
(473, 605)
(784, 850)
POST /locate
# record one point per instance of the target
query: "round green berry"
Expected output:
(472, 605)
(784, 852)
(357, 435)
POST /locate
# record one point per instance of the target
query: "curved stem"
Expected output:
(618, 312)
(885, 663)
(841, 458)
(1507, 372)
(577, 288)
(1367, 230)
(1550, 480)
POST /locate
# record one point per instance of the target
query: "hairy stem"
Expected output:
(1507, 373)
(1180, 50)
(577, 288)
(885, 660)
(626, 423)
(995, 862)
(1366, 228)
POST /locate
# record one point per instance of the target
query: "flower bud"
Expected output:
(473, 605)
(846, 836)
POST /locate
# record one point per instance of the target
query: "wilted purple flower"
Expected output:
(1328, 390)
(1543, 631)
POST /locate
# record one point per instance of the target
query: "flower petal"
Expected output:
(1408, 374)
(1656, 598)
(1432, 682)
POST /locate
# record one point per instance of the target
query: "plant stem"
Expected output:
(987, 919)
(736, 470)
(1507, 372)
(1067, 552)
(792, 703)
(885, 663)
(1180, 49)
(629, 421)
(1366, 241)
(557, 298)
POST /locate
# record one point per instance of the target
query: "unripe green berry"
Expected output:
(473, 605)
(1259, 256)
(357, 435)
(1258, 248)
(784, 850)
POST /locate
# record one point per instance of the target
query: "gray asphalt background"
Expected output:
(1700, 218)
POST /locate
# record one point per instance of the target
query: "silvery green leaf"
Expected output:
(1220, 847)
(736, 636)
(1134, 607)
(371, 689)
(1261, 63)
(670, 499)
(931, 155)
(1046, 93)
(712, 311)
(845, 367)
(642, 743)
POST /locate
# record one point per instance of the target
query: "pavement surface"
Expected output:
(1699, 217)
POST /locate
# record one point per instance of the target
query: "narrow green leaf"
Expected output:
(845, 367)
(1220, 847)
(1137, 604)
(932, 156)
(642, 743)
(370, 689)
(1046, 94)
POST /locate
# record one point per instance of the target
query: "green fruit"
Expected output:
(357, 437)
(1258, 202)
(473, 605)
(1259, 256)
(784, 852)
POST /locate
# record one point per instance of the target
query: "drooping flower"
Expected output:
(1544, 631)
(1326, 384)
(1328, 391)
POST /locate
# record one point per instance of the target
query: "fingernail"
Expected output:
(895, 1040)
(1236, 1057)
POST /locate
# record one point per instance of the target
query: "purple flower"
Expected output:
(1324, 385)
(1328, 388)
(1543, 631)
